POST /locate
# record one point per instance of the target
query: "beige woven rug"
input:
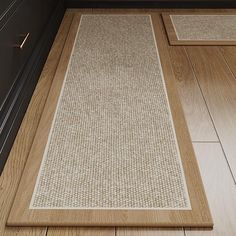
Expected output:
(112, 144)
(209, 29)
(105, 151)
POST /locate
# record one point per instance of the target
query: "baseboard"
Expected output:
(150, 4)
(27, 82)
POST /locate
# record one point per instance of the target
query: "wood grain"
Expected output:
(218, 86)
(198, 216)
(11, 175)
(148, 232)
(61, 231)
(220, 189)
(229, 53)
(24, 231)
(196, 113)
(173, 39)
(217, 180)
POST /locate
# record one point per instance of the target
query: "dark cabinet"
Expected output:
(17, 40)
(4, 5)
(26, 33)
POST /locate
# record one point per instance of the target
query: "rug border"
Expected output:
(172, 35)
(199, 216)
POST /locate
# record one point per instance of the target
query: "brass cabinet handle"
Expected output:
(21, 45)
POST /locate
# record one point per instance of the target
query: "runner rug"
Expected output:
(107, 150)
(200, 29)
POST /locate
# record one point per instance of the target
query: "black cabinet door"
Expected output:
(17, 40)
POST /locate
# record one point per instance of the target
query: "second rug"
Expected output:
(200, 29)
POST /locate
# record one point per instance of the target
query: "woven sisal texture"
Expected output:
(112, 143)
(205, 27)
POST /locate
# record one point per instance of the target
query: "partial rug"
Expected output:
(112, 147)
(200, 29)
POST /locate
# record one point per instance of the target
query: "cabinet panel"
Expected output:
(25, 21)
(4, 5)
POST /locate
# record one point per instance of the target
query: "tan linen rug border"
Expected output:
(173, 39)
(199, 216)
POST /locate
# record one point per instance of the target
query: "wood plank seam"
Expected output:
(196, 114)
(226, 62)
(210, 116)
(220, 189)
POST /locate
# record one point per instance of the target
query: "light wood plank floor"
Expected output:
(205, 78)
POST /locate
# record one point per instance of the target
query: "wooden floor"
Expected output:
(206, 81)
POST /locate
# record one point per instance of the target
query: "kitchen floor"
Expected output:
(205, 78)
